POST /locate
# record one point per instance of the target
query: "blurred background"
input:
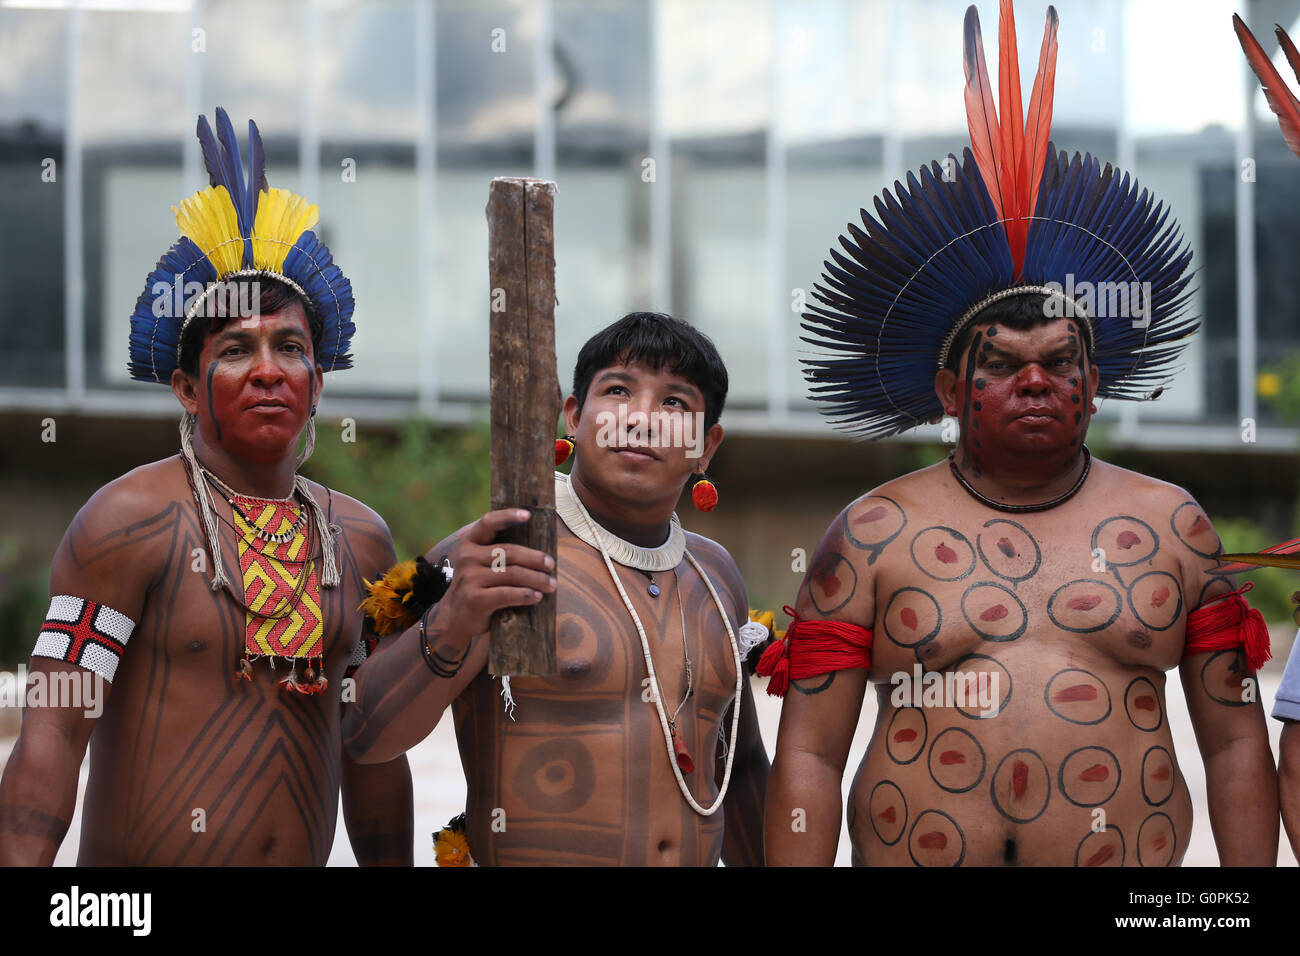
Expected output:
(708, 153)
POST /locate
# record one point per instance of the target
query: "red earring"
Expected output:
(704, 494)
(563, 449)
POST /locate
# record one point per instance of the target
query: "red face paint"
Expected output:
(258, 384)
(1025, 407)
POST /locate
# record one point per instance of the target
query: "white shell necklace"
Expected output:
(576, 519)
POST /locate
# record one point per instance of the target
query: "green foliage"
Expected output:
(1279, 386)
(1273, 586)
(24, 598)
(426, 482)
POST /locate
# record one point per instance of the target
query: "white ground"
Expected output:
(440, 788)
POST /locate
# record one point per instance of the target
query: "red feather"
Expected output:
(981, 115)
(1292, 54)
(1013, 130)
(1038, 128)
(1280, 100)
(1279, 553)
(1010, 154)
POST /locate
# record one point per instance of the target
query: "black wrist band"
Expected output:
(441, 666)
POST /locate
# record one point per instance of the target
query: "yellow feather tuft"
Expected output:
(208, 219)
(282, 217)
(386, 605)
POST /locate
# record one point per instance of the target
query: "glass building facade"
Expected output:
(707, 155)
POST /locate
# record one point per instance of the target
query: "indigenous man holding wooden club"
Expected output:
(217, 590)
(646, 736)
(1018, 605)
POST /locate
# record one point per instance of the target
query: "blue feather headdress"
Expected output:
(236, 228)
(1015, 217)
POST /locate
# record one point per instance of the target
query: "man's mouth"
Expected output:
(267, 404)
(637, 454)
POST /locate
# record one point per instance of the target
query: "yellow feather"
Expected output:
(281, 216)
(208, 219)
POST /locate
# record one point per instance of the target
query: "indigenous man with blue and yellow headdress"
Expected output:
(1017, 606)
(218, 591)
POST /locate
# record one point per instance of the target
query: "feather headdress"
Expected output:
(1280, 100)
(1013, 217)
(233, 228)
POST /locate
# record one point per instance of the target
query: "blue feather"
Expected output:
(256, 170)
(160, 310)
(211, 156)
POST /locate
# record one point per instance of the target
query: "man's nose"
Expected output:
(1033, 380)
(267, 371)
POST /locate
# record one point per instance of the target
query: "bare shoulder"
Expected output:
(363, 529)
(714, 558)
(871, 522)
(1169, 508)
(122, 537)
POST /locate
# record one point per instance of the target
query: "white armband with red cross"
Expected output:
(85, 633)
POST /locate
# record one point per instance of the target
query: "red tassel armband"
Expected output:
(1226, 624)
(813, 648)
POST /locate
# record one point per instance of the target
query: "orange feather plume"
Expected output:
(1009, 152)
(1280, 100)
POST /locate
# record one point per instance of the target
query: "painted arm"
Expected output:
(399, 699)
(820, 714)
(104, 557)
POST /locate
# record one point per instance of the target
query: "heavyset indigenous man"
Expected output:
(217, 591)
(646, 739)
(1050, 590)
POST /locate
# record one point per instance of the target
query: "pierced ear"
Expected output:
(185, 388)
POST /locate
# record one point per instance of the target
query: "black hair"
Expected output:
(1017, 312)
(659, 341)
(220, 308)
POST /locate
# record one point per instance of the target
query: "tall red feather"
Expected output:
(1038, 128)
(1013, 131)
(981, 115)
(1010, 154)
(1280, 100)
(1292, 54)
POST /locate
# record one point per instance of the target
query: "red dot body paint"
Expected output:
(945, 554)
(1095, 773)
(1127, 539)
(995, 613)
(905, 736)
(1160, 597)
(949, 757)
(1101, 856)
(871, 514)
(1075, 693)
(1019, 778)
(889, 815)
(908, 617)
(1144, 702)
(1085, 603)
(1005, 546)
(1161, 774)
(932, 841)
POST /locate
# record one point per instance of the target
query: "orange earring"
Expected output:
(563, 449)
(704, 494)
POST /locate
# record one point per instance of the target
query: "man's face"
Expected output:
(257, 384)
(1023, 393)
(641, 432)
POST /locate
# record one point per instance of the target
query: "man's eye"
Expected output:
(294, 346)
(616, 389)
(675, 400)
